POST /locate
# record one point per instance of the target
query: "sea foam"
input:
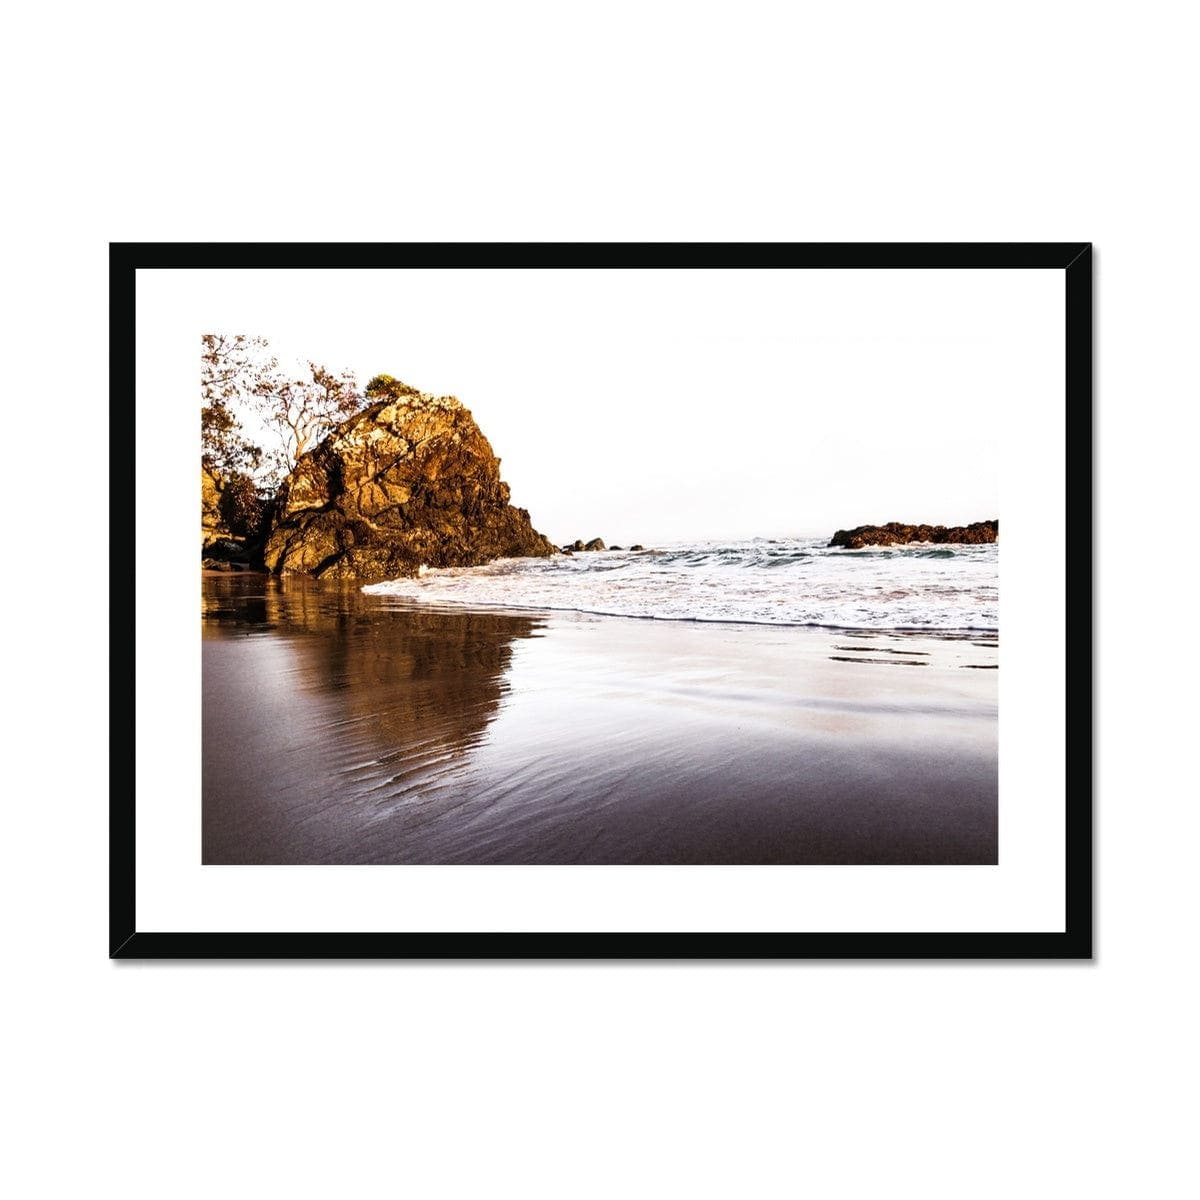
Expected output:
(787, 581)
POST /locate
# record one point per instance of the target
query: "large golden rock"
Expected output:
(407, 482)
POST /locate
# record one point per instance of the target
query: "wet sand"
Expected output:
(343, 728)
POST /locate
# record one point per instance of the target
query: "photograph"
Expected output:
(602, 567)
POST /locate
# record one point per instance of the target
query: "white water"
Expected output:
(787, 581)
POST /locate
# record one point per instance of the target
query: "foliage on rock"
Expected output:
(385, 387)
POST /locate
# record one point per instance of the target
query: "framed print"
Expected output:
(601, 600)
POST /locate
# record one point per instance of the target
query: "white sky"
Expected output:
(654, 406)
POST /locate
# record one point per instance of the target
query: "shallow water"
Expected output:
(349, 728)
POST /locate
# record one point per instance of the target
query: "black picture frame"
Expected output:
(1073, 942)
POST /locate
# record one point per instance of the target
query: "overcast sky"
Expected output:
(656, 406)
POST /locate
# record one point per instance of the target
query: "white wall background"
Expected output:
(913, 122)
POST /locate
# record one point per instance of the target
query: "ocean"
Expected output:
(765, 581)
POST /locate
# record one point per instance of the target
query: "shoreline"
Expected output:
(965, 631)
(960, 632)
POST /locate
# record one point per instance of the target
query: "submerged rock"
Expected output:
(409, 481)
(894, 534)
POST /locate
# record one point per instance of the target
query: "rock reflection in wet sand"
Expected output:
(320, 702)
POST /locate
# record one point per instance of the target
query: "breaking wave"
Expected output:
(793, 581)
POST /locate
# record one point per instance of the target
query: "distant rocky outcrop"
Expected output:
(409, 481)
(580, 544)
(894, 534)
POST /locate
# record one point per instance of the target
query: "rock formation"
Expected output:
(409, 481)
(895, 534)
(212, 524)
(221, 549)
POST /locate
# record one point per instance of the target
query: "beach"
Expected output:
(343, 727)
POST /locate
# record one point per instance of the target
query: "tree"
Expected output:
(243, 386)
(230, 369)
(242, 506)
(302, 411)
